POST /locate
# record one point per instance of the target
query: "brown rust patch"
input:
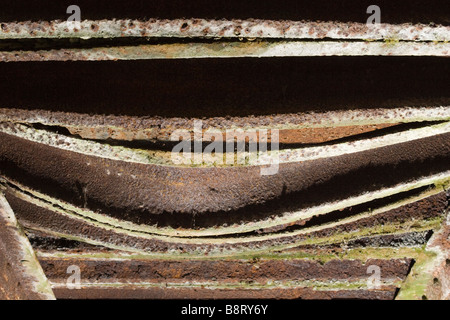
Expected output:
(229, 195)
(223, 271)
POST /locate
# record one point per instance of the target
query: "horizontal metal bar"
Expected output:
(203, 28)
(232, 50)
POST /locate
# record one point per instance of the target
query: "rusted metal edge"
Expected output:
(223, 271)
(21, 275)
(168, 190)
(195, 278)
(52, 246)
(268, 277)
(257, 158)
(255, 49)
(156, 128)
(416, 214)
(139, 292)
(201, 28)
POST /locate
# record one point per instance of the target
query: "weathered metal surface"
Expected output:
(87, 161)
(345, 227)
(238, 278)
(372, 40)
(134, 154)
(439, 288)
(138, 292)
(304, 127)
(216, 29)
(258, 49)
(430, 277)
(21, 276)
(225, 272)
(160, 192)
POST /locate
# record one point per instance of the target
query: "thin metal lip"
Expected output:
(221, 29)
(261, 49)
(161, 128)
(206, 235)
(161, 191)
(275, 39)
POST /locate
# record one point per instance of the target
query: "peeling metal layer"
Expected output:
(260, 158)
(161, 192)
(198, 279)
(360, 177)
(21, 275)
(223, 271)
(168, 189)
(318, 275)
(54, 221)
(105, 274)
(142, 292)
(202, 28)
(257, 49)
(101, 127)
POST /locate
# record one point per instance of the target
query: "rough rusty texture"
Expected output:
(232, 50)
(156, 194)
(38, 218)
(222, 271)
(287, 136)
(224, 278)
(385, 293)
(87, 118)
(426, 208)
(21, 276)
(307, 128)
(332, 38)
(203, 28)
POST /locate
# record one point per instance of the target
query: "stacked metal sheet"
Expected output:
(225, 151)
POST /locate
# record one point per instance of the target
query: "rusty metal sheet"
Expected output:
(160, 192)
(87, 162)
(257, 49)
(232, 278)
(420, 213)
(218, 29)
(302, 127)
(21, 275)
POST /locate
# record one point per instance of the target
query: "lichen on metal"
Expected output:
(223, 29)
